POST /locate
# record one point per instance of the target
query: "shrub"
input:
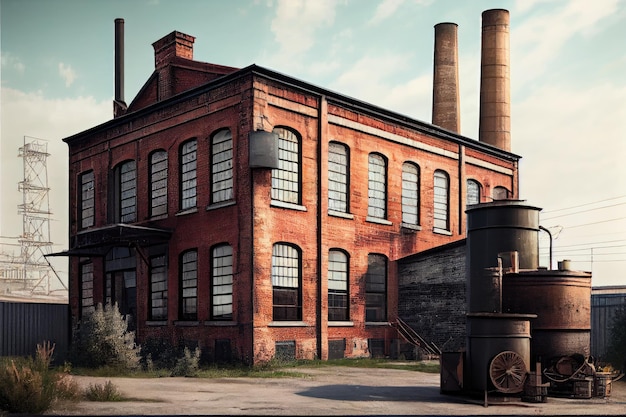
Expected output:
(158, 354)
(188, 364)
(103, 339)
(103, 392)
(28, 385)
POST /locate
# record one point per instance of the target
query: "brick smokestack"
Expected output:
(495, 95)
(119, 105)
(174, 45)
(446, 103)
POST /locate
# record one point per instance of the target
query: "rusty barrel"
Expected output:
(562, 302)
(489, 334)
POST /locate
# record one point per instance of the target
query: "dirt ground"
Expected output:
(324, 391)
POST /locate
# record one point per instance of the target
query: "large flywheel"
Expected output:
(507, 371)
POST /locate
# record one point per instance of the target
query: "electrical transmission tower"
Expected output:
(35, 240)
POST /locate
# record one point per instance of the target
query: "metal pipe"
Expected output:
(549, 234)
(119, 60)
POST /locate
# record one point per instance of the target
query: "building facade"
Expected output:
(255, 215)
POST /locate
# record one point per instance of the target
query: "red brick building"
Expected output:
(253, 214)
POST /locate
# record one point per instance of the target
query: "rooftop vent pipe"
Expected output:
(119, 105)
(446, 107)
(495, 96)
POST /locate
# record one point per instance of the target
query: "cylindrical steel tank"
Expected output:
(562, 302)
(489, 334)
(493, 228)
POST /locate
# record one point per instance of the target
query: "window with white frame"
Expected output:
(188, 174)
(189, 286)
(338, 177)
(286, 281)
(473, 192)
(286, 178)
(158, 288)
(441, 200)
(376, 288)
(410, 194)
(222, 283)
(338, 305)
(158, 183)
(87, 200)
(377, 186)
(222, 166)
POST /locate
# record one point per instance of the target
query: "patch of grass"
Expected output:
(106, 392)
(418, 366)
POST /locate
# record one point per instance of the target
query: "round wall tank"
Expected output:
(489, 334)
(562, 302)
(494, 228)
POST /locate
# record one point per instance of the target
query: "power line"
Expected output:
(583, 211)
(586, 204)
(592, 223)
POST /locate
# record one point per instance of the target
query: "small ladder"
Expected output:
(415, 339)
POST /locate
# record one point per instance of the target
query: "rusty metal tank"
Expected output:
(494, 228)
(489, 335)
(562, 301)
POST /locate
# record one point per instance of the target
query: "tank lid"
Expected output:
(502, 204)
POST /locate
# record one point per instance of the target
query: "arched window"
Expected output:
(338, 301)
(286, 282)
(338, 177)
(222, 166)
(376, 288)
(286, 178)
(188, 174)
(410, 194)
(222, 283)
(188, 291)
(500, 193)
(158, 183)
(473, 192)
(87, 200)
(377, 186)
(125, 192)
(441, 200)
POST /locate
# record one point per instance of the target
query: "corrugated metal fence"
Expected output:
(24, 325)
(603, 309)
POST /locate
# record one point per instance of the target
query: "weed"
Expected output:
(103, 392)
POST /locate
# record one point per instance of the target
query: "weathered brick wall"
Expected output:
(431, 295)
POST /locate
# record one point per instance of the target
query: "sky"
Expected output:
(568, 88)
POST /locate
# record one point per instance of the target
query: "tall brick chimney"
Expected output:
(495, 95)
(446, 103)
(174, 45)
(119, 105)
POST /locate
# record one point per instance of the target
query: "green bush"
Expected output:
(102, 338)
(188, 364)
(28, 385)
(103, 392)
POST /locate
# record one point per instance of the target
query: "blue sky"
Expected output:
(568, 85)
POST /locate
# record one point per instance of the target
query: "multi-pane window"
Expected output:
(338, 306)
(86, 288)
(410, 194)
(473, 192)
(286, 277)
(286, 178)
(189, 286)
(338, 177)
(376, 288)
(222, 283)
(377, 187)
(222, 166)
(158, 183)
(188, 174)
(128, 192)
(441, 201)
(158, 288)
(87, 199)
(500, 193)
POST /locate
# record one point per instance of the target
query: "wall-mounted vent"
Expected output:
(263, 149)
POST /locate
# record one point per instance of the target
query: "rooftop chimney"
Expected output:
(495, 95)
(119, 105)
(446, 107)
(174, 45)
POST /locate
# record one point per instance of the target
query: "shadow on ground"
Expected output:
(344, 392)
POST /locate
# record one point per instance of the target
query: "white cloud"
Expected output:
(67, 73)
(7, 61)
(384, 10)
